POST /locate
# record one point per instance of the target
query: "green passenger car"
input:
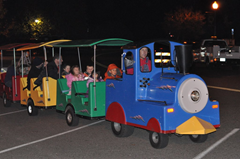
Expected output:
(83, 102)
(80, 102)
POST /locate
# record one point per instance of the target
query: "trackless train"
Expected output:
(162, 97)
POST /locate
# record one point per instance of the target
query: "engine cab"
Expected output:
(160, 55)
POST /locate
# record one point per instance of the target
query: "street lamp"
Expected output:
(215, 7)
(37, 21)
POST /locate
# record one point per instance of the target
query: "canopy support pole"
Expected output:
(22, 62)
(79, 59)
(30, 55)
(15, 71)
(53, 52)
(45, 57)
(122, 61)
(95, 99)
(1, 60)
(162, 63)
(60, 61)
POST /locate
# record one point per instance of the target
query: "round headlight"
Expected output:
(195, 95)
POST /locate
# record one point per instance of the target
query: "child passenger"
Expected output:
(98, 79)
(97, 76)
(74, 75)
(89, 71)
(66, 69)
(113, 72)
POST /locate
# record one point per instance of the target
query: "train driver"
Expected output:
(145, 62)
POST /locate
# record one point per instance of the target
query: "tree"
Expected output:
(184, 24)
(36, 26)
(5, 24)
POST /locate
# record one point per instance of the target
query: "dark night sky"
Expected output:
(132, 19)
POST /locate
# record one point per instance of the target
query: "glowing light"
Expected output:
(162, 53)
(170, 110)
(215, 5)
(37, 21)
(214, 106)
(160, 61)
(213, 37)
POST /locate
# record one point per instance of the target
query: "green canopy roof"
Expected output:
(89, 43)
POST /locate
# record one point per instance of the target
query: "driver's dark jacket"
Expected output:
(33, 73)
(52, 72)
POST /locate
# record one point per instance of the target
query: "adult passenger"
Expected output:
(36, 69)
(145, 62)
(52, 69)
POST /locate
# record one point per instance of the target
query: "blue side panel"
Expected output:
(162, 87)
(141, 91)
(122, 92)
(140, 112)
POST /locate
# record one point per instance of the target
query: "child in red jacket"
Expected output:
(113, 72)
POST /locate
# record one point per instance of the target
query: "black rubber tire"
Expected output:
(31, 109)
(198, 138)
(6, 102)
(121, 130)
(157, 140)
(70, 116)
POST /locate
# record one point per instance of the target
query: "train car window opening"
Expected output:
(145, 59)
(162, 55)
(129, 63)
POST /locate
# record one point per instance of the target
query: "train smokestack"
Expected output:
(184, 58)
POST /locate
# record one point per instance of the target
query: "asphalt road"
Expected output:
(48, 136)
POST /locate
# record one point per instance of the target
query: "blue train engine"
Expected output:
(156, 93)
